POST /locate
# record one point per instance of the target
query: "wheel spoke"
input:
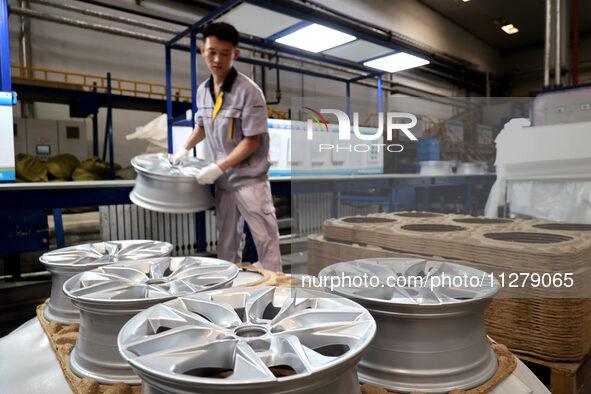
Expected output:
(220, 314)
(192, 359)
(175, 338)
(197, 270)
(137, 249)
(256, 303)
(84, 260)
(100, 287)
(331, 334)
(248, 365)
(131, 274)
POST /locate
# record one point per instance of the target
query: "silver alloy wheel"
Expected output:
(249, 340)
(66, 262)
(109, 296)
(430, 337)
(162, 187)
(471, 168)
(435, 167)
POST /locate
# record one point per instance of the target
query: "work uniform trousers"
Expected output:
(255, 204)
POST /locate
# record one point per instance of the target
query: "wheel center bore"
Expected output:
(250, 331)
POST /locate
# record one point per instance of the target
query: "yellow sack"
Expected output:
(62, 166)
(30, 168)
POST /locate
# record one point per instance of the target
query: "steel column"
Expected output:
(558, 49)
(380, 108)
(575, 42)
(59, 228)
(95, 143)
(110, 127)
(201, 232)
(348, 99)
(194, 75)
(334, 208)
(468, 201)
(425, 205)
(547, 35)
(169, 96)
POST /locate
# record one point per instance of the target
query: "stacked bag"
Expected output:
(65, 167)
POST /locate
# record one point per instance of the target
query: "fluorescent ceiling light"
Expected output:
(315, 38)
(509, 28)
(248, 19)
(396, 62)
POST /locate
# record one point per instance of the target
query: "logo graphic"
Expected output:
(394, 121)
(314, 115)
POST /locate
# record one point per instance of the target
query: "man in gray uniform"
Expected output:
(232, 115)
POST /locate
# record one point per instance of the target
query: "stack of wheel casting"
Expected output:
(63, 337)
(552, 323)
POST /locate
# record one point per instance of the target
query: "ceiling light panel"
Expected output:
(257, 21)
(396, 62)
(510, 28)
(358, 50)
(315, 38)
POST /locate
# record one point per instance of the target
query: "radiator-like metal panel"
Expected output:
(310, 210)
(132, 222)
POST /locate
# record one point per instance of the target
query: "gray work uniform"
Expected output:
(243, 191)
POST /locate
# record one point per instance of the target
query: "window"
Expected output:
(72, 133)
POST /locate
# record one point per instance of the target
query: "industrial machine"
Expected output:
(293, 151)
(45, 138)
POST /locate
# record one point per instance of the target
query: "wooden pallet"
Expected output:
(564, 377)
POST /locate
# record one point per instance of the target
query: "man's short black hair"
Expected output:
(222, 31)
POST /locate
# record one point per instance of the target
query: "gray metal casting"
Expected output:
(109, 296)
(249, 340)
(66, 262)
(435, 167)
(471, 168)
(162, 187)
(429, 339)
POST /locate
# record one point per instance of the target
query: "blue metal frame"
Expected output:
(167, 60)
(268, 44)
(5, 83)
(380, 56)
(348, 87)
(95, 143)
(289, 30)
(60, 237)
(110, 127)
(380, 107)
(109, 130)
(292, 69)
(194, 69)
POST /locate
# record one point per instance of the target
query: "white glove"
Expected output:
(180, 157)
(209, 174)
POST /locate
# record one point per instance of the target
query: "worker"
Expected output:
(232, 116)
